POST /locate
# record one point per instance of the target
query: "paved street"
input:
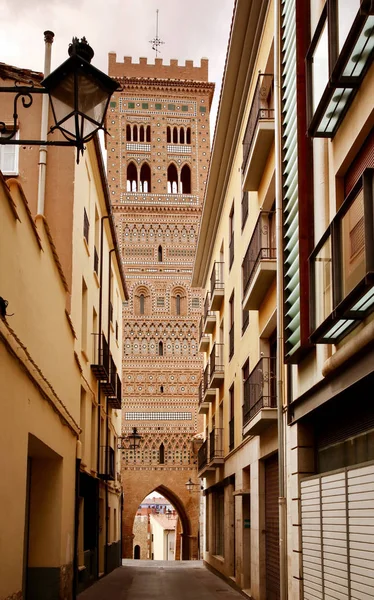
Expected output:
(160, 580)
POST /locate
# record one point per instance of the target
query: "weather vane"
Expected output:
(156, 42)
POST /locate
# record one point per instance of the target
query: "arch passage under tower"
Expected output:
(171, 485)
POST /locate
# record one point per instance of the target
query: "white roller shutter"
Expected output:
(337, 517)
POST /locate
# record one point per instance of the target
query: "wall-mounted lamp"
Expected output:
(79, 95)
(191, 487)
(131, 441)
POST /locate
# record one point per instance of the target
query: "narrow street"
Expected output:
(160, 580)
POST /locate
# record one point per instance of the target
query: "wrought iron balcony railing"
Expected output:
(216, 361)
(262, 108)
(215, 444)
(202, 455)
(216, 278)
(100, 365)
(260, 389)
(261, 247)
(206, 378)
(109, 386)
(107, 468)
(115, 401)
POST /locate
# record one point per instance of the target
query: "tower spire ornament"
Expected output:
(156, 42)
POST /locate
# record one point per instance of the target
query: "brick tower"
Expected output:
(158, 158)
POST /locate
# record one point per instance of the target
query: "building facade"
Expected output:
(236, 266)
(73, 209)
(158, 157)
(330, 408)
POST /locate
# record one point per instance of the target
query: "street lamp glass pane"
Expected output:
(92, 98)
(62, 98)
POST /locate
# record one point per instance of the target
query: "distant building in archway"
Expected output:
(158, 158)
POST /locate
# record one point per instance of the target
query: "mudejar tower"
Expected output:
(158, 159)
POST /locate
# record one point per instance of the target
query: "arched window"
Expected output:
(168, 135)
(162, 454)
(132, 178)
(160, 349)
(145, 178)
(172, 179)
(159, 254)
(148, 133)
(186, 179)
(188, 135)
(135, 133)
(141, 304)
(178, 302)
(175, 135)
(128, 133)
(141, 134)
(181, 135)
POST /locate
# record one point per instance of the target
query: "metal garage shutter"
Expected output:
(272, 528)
(337, 516)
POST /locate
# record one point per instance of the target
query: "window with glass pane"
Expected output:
(323, 283)
(347, 11)
(353, 245)
(320, 67)
(9, 158)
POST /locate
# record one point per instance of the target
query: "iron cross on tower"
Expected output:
(156, 42)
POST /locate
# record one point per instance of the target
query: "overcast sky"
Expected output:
(191, 29)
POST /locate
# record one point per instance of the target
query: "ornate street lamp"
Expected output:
(79, 95)
(191, 486)
(133, 441)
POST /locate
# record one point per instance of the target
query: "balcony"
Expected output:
(217, 372)
(244, 208)
(109, 386)
(259, 134)
(216, 447)
(106, 467)
(210, 454)
(203, 405)
(209, 316)
(115, 401)
(100, 366)
(217, 289)
(209, 393)
(259, 264)
(203, 337)
(260, 402)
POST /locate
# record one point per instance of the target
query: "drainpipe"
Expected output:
(76, 517)
(99, 394)
(48, 39)
(280, 348)
(107, 425)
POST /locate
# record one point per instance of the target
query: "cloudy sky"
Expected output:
(191, 29)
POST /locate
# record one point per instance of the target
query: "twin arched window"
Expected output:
(178, 135)
(138, 180)
(179, 180)
(138, 133)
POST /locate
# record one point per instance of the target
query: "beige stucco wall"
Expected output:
(40, 387)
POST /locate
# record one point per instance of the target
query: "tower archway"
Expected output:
(172, 486)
